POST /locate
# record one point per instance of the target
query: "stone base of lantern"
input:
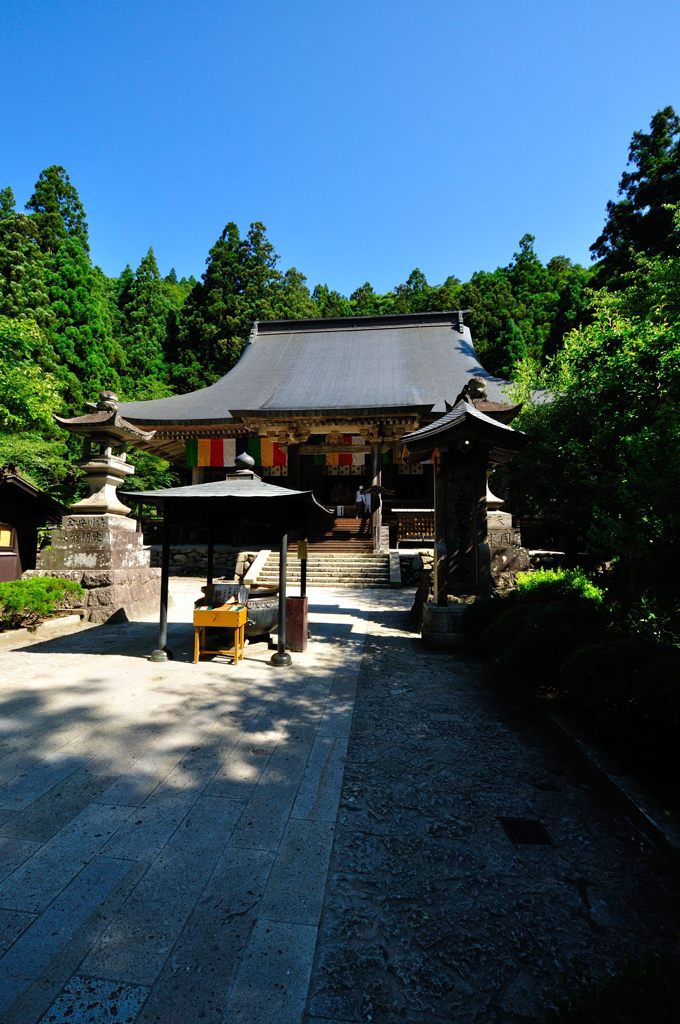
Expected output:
(107, 556)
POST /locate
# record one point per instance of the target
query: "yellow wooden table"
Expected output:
(225, 616)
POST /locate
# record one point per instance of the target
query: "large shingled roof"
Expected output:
(359, 365)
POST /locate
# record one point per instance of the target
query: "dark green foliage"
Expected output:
(479, 615)
(27, 602)
(642, 221)
(534, 629)
(646, 992)
(151, 472)
(507, 349)
(625, 669)
(544, 635)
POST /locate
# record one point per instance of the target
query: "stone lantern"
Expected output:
(97, 543)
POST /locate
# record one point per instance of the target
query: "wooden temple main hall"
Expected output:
(323, 405)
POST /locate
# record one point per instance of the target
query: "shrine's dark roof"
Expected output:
(19, 493)
(357, 365)
(465, 421)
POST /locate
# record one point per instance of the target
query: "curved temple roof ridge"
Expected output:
(375, 364)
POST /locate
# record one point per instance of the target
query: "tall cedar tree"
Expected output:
(57, 210)
(82, 339)
(240, 284)
(141, 328)
(642, 222)
(22, 286)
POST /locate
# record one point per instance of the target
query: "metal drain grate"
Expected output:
(525, 831)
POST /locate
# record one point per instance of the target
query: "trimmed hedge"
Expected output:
(532, 631)
(27, 602)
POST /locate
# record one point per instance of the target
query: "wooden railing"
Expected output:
(414, 525)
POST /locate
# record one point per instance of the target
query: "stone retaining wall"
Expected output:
(192, 560)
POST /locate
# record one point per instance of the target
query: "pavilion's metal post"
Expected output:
(281, 657)
(303, 575)
(211, 555)
(160, 654)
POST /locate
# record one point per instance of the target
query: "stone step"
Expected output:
(331, 569)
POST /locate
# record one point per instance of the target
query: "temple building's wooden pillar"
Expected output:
(294, 466)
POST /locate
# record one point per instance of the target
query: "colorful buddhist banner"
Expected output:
(358, 458)
(345, 457)
(210, 451)
(253, 449)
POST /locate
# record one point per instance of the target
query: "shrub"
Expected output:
(546, 635)
(553, 584)
(26, 602)
(625, 669)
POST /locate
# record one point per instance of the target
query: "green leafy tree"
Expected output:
(29, 393)
(606, 452)
(364, 301)
(293, 300)
(535, 299)
(330, 303)
(508, 349)
(573, 285)
(415, 295)
(489, 297)
(642, 221)
(57, 210)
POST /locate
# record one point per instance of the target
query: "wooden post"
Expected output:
(161, 654)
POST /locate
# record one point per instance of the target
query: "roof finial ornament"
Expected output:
(474, 389)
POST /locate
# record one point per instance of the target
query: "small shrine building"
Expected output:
(323, 405)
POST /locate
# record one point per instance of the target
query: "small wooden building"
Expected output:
(23, 508)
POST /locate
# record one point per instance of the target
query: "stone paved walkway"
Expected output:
(166, 831)
(432, 914)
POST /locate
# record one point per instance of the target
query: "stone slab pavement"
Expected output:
(166, 832)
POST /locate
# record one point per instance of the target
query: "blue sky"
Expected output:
(370, 137)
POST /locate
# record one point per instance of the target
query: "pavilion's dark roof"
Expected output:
(244, 488)
(356, 365)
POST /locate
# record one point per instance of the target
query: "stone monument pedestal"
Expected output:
(107, 556)
(508, 557)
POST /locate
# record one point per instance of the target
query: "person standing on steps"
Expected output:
(359, 503)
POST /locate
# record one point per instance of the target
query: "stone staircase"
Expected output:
(330, 569)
